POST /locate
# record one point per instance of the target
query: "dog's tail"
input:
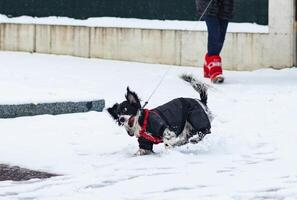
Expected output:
(199, 86)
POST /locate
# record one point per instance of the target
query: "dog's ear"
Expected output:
(132, 98)
(113, 111)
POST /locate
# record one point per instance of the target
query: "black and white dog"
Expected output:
(175, 123)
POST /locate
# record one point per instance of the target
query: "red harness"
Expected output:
(144, 134)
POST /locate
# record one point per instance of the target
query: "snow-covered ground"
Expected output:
(251, 153)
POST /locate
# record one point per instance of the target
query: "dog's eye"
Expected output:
(122, 119)
(125, 109)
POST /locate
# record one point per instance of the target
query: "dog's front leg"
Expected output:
(142, 152)
(169, 138)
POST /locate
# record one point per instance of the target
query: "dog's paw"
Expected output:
(195, 140)
(199, 137)
(168, 145)
(142, 152)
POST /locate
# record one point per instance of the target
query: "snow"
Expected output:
(133, 23)
(249, 155)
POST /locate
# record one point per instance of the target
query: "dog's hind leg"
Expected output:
(187, 133)
(170, 139)
(200, 120)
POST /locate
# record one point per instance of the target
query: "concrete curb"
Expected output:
(13, 111)
(15, 173)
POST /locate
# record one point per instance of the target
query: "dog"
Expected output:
(175, 123)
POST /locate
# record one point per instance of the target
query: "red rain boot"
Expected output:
(205, 67)
(214, 65)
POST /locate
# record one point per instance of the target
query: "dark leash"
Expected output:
(163, 77)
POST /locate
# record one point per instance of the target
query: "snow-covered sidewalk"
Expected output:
(249, 155)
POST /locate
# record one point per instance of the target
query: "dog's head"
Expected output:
(127, 113)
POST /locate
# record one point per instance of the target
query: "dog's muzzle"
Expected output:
(130, 134)
(128, 123)
(131, 121)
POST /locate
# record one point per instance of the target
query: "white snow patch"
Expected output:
(249, 155)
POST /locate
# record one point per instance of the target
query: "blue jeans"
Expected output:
(217, 29)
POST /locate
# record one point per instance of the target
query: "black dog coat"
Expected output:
(173, 115)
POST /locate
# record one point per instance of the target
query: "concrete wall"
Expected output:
(17, 37)
(242, 51)
(295, 31)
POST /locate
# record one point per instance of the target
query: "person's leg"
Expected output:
(214, 35)
(223, 29)
(212, 67)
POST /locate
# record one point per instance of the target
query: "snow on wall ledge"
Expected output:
(247, 47)
(113, 22)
